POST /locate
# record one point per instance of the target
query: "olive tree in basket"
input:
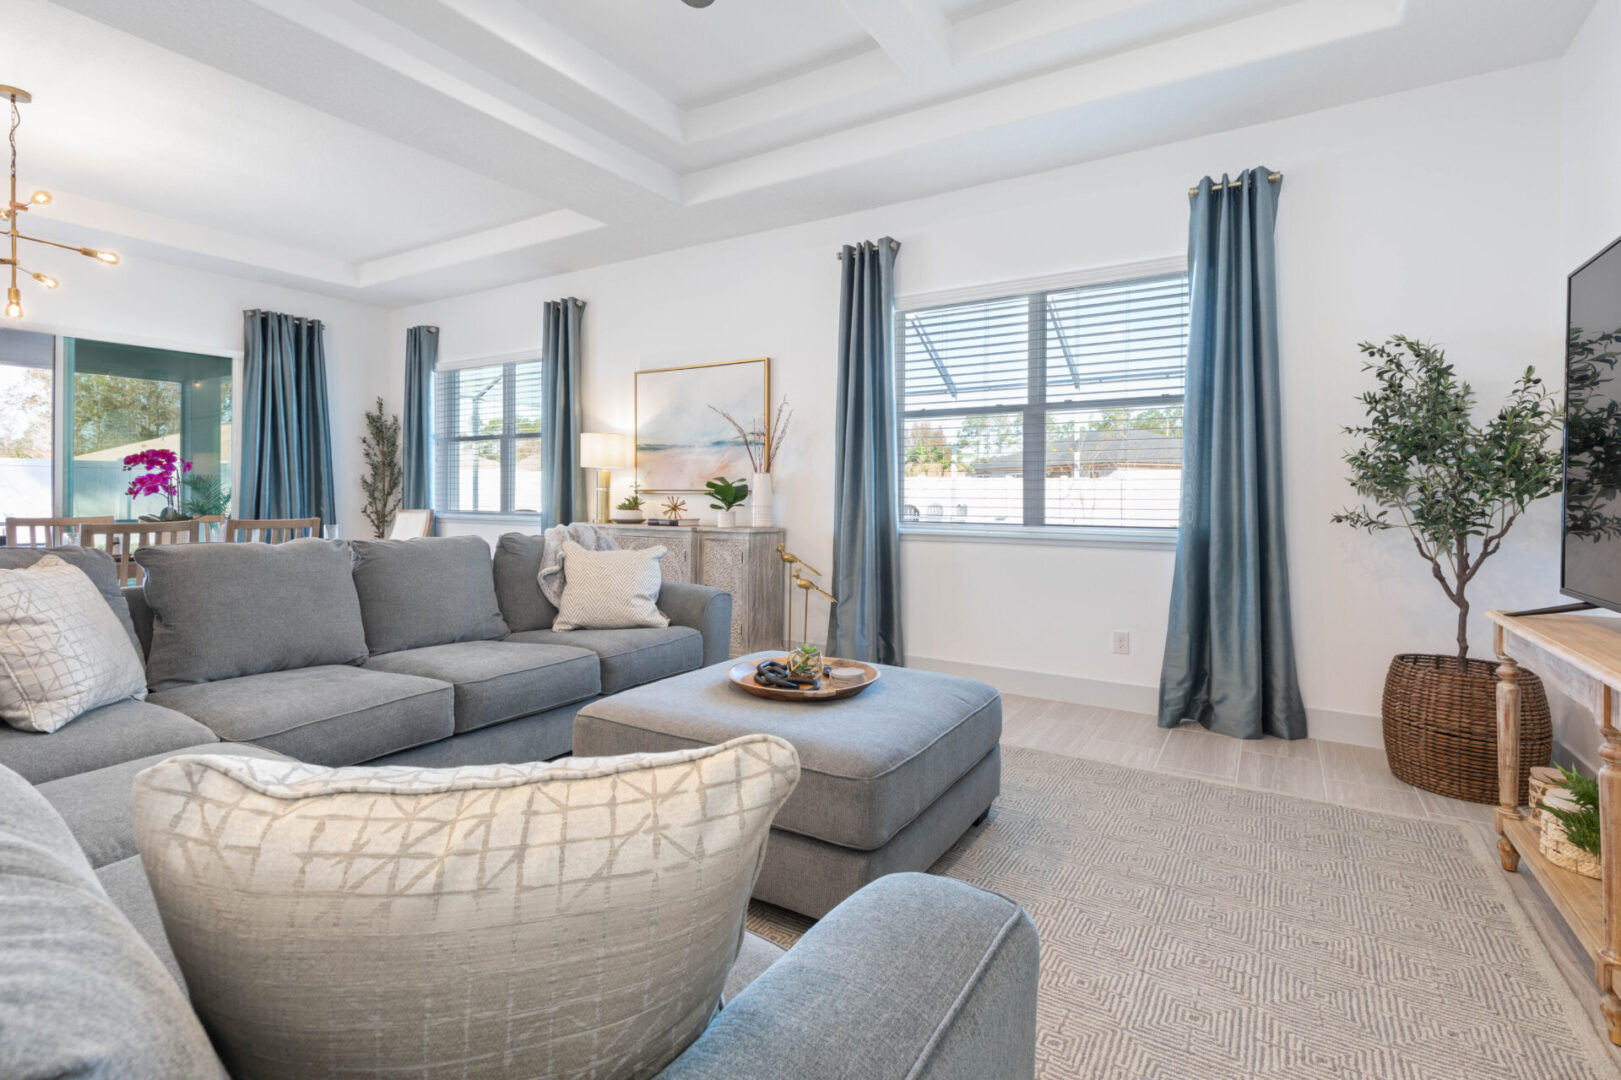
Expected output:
(1455, 485)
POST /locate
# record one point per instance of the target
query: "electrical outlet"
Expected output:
(1122, 642)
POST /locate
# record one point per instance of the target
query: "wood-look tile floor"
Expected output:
(1337, 772)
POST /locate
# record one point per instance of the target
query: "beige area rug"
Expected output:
(1192, 929)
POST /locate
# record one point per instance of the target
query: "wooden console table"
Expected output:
(1581, 655)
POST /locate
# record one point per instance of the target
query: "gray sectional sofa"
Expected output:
(428, 651)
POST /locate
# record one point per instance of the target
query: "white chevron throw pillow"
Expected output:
(573, 920)
(62, 650)
(610, 590)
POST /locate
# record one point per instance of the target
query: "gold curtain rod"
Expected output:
(894, 245)
(1194, 190)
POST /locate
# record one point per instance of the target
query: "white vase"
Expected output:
(760, 500)
(725, 519)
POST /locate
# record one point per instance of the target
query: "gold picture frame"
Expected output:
(678, 438)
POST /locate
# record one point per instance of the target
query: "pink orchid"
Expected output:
(160, 476)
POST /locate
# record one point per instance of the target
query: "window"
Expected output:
(486, 435)
(1059, 408)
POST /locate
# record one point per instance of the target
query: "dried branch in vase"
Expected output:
(761, 442)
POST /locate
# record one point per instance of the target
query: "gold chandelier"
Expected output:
(13, 211)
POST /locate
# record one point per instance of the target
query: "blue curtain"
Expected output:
(563, 497)
(421, 354)
(286, 437)
(866, 622)
(1229, 656)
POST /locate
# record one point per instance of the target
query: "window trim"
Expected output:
(442, 444)
(1062, 535)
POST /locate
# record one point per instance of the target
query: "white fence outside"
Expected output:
(1130, 497)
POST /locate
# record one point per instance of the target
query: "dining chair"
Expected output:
(28, 532)
(410, 524)
(270, 530)
(122, 540)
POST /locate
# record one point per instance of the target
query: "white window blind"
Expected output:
(1061, 407)
(486, 436)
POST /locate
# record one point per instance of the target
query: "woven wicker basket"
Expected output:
(1560, 851)
(1543, 779)
(1440, 726)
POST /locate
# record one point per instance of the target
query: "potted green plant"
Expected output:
(728, 494)
(1456, 486)
(629, 510)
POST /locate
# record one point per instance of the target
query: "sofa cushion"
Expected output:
(630, 657)
(500, 680)
(122, 731)
(62, 650)
(870, 763)
(95, 804)
(331, 715)
(96, 564)
(517, 583)
(127, 887)
(511, 920)
(224, 610)
(432, 590)
(81, 995)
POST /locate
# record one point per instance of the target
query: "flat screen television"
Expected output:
(1590, 562)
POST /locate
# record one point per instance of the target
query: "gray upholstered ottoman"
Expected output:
(889, 779)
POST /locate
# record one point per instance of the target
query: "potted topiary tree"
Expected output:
(1456, 486)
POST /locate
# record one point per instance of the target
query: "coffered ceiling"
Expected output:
(391, 150)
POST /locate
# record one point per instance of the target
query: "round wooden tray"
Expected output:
(743, 675)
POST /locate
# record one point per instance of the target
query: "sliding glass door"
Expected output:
(68, 422)
(122, 399)
(27, 393)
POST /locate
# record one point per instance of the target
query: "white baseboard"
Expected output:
(1048, 685)
(1329, 725)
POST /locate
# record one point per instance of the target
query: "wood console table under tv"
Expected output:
(1581, 655)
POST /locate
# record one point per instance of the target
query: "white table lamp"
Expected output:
(604, 451)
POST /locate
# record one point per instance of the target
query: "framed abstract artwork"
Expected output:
(681, 439)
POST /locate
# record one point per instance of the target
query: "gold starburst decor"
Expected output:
(673, 508)
(12, 213)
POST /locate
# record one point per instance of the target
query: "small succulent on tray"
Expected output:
(805, 660)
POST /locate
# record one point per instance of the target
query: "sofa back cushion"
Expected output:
(570, 919)
(517, 583)
(224, 610)
(97, 565)
(82, 993)
(432, 590)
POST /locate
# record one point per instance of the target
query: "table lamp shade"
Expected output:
(604, 450)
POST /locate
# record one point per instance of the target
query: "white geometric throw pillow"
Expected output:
(568, 919)
(610, 590)
(62, 650)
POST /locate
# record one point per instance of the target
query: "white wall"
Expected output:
(142, 302)
(1427, 213)
(1589, 214)
(1590, 151)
